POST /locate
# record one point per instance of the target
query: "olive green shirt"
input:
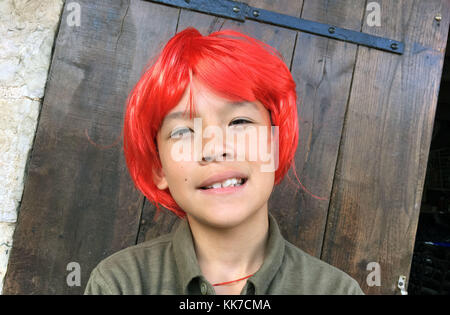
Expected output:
(168, 265)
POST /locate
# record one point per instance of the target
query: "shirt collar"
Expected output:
(189, 268)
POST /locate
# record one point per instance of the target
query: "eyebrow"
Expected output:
(179, 115)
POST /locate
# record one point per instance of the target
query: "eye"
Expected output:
(179, 133)
(240, 121)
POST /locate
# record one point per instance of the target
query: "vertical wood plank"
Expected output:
(79, 204)
(322, 69)
(378, 183)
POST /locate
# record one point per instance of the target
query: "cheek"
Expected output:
(262, 182)
(264, 178)
(256, 144)
(178, 175)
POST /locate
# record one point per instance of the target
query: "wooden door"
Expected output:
(366, 118)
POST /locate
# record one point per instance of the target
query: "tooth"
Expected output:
(227, 183)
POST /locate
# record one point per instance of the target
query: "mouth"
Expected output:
(229, 187)
(226, 184)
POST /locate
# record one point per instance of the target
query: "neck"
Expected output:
(231, 253)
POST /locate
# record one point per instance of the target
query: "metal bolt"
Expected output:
(394, 46)
(255, 13)
(236, 9)
(331, 30)
(438, 17)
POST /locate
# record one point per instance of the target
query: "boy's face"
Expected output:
(211, 159)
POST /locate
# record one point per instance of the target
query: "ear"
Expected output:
(159, 179)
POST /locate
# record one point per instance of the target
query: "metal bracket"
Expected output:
(240, 11)
(402, 285)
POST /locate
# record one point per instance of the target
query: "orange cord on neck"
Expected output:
(232, 281)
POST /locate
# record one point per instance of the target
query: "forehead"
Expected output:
(205, 101)
(183, 113)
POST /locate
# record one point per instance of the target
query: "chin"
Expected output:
(222, 218)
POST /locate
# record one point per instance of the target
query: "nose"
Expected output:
(215, 154)
(215, 149)
(211, 158)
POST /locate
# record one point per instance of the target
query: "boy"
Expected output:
(226, 241)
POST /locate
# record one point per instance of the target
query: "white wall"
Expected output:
(27, 33)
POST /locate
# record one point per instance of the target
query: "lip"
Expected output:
(220, 177)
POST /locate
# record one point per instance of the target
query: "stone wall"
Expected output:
(27, 34)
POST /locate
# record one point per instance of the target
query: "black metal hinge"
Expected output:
(241, 11)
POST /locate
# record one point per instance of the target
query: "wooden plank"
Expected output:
(282, 39)
(383, 155)
(322, 69)
(79, 204)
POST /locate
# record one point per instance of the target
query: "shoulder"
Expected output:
(144, 252)
(123, 271)
(314, 276)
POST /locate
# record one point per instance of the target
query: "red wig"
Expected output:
(234, 65)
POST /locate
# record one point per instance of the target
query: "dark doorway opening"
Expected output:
(430, 269)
